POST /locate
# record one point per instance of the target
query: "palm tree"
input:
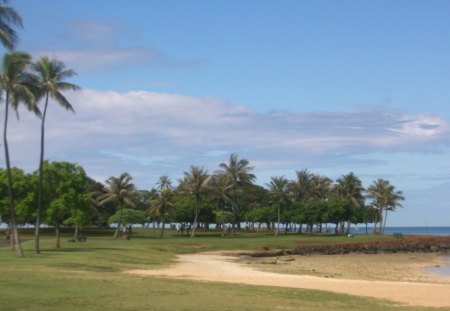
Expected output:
(219, 194)
(14, 82)
(121, 191)
(385, 198)
(321, 188)
(49, 83)
(163, 200)
(302, 188)
(8, 18)
(237, 174)
(321, 192)
(349, 188)
(195, 183)
(278, 192)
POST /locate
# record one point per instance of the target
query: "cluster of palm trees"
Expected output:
(311, 190)
(28, 83)
(231, 195)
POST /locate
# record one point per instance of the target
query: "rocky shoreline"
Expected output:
(438, 244)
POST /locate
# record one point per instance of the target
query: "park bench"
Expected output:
(398, 235)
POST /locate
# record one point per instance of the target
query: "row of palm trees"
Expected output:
(226, 189)
(28, 83)
(311, 188)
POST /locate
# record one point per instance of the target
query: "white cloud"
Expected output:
(103, 59)
(165, 133)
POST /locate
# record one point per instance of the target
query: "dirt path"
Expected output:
(220, 268)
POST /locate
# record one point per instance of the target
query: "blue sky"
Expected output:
(332, 86)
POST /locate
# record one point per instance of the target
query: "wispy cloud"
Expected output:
(99, 47)
(165, 133)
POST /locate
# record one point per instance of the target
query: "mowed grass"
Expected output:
(88, 276)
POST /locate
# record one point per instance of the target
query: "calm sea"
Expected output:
(407, 230)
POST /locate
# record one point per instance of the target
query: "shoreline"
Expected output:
(229, 267)
(408, 267)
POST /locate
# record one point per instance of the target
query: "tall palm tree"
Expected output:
(195, 183)
(49, 83)
(278, 192)
(8, 18)
(218, 188)
(163, 200)
(119, 190)
(237, 174)
(302, 187)
(349, 188)
(385, 198)
(321, 188)
(14, 82)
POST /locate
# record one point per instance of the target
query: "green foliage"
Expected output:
(65, 196)
(128, 217)
(24, 186)
(265, 214)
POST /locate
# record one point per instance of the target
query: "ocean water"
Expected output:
(436, 231)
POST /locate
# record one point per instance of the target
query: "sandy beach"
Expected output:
(396, 277)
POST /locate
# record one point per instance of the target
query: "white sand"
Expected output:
(221, 268)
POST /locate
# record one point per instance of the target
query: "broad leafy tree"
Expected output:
(24, 196)
(49, 82)
(65, 197)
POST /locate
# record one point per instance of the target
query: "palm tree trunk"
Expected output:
(375, 222)
(197, 199)
(163, 224)
(14, 229)
(76, 232)
(385, 217)
(41, 174)
(381, 221)
(278, 220)
(119, 224)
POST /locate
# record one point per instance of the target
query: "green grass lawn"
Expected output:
(87, 276)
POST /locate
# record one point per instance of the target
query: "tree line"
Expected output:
(227, 198)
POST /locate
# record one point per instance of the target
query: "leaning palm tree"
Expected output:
(384, 198)
(49, 83)
(163, 201)
(237, 174)
(14, 82)
(349, 188)
(195, 183)
(278, 192)
(8, 18)
(119, 190)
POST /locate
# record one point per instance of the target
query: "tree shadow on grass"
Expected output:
(75, 250)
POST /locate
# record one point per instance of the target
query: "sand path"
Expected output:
(220, 268)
